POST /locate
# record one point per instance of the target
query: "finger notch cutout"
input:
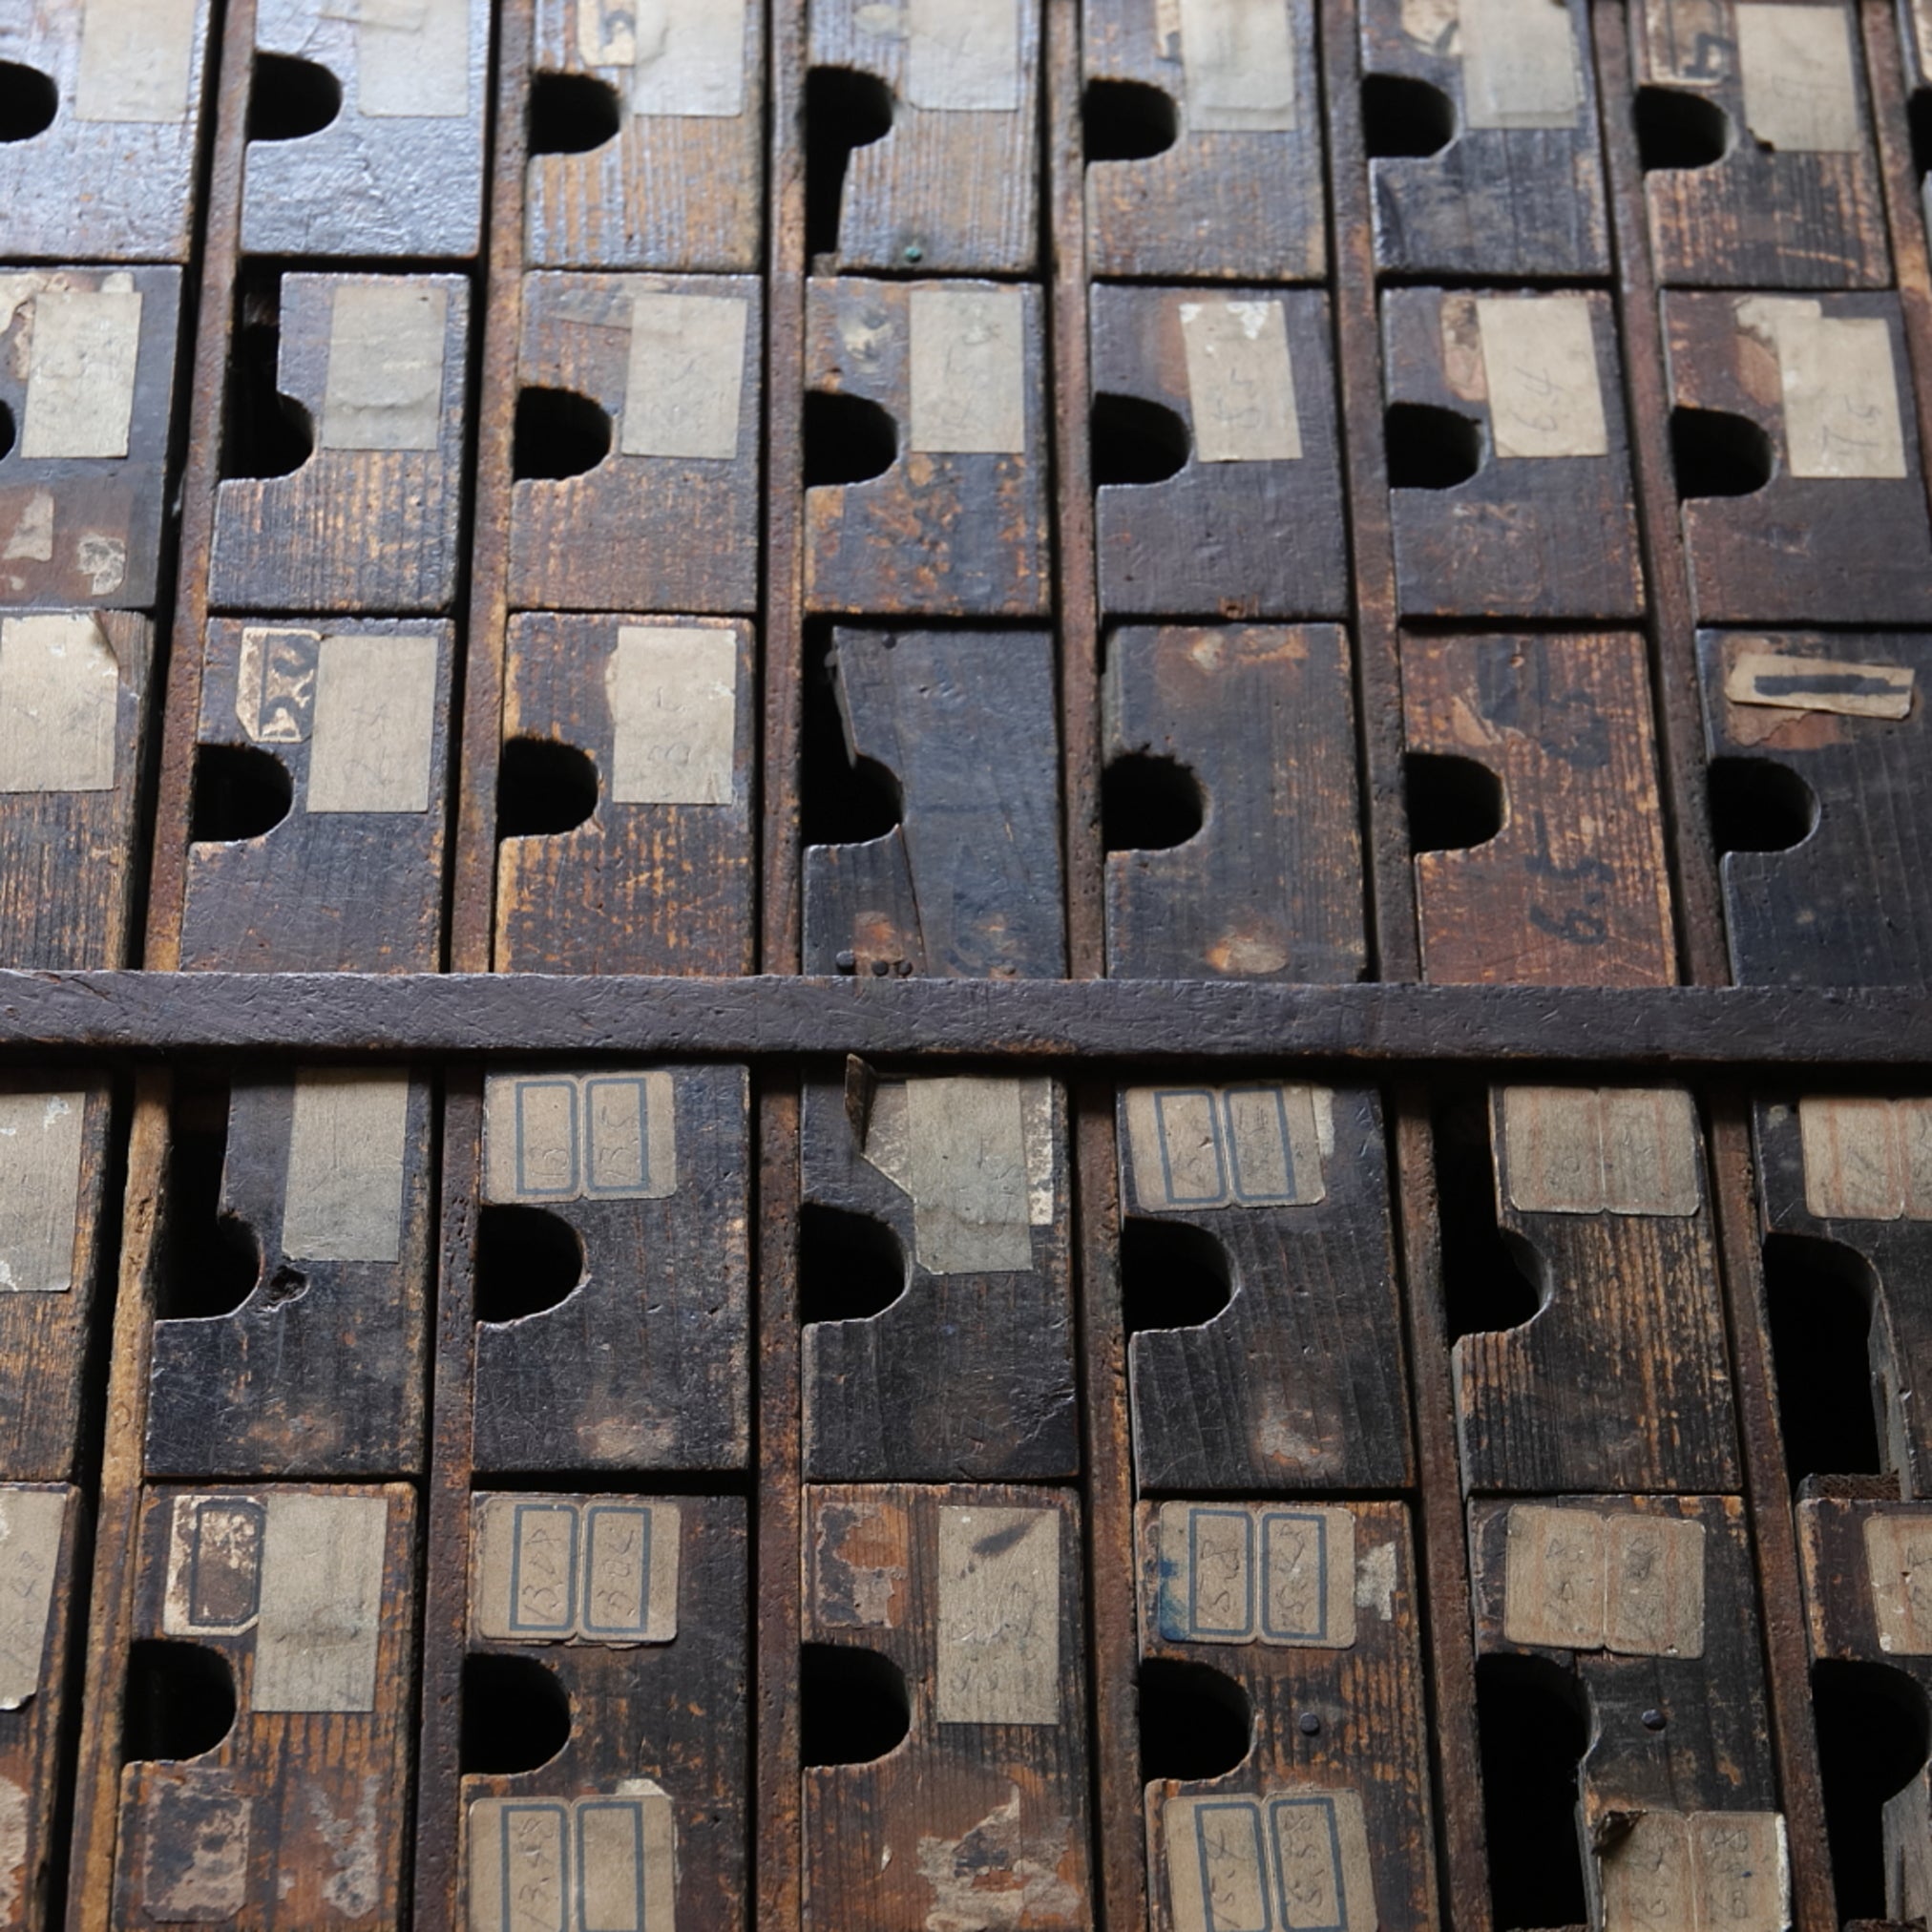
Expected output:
(528, 1260)
(1196, 1722)
(1404, 118)
(1173, 1275)
(1148, 804)
(544, 788)
(850, 1266)
(852, 1705)
(515, 1715)
(1127, 120)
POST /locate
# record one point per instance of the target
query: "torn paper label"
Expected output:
(1840, 386)
(59, 703)
(1794, 684)
(42, 1146)
(1800, 94)
(347, 1141)
(1240, 381)
(32, 1524)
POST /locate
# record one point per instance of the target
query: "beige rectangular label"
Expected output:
(275, 682)
(30, 1525)
(41, 1143)
(685, 388)
(1800, 95)
(214, 1566)
(1258, 1144)
(968, 372)
(1293, 1860)
(386, 347)
(136, 59)
(412, 58)
(1238, 57)
(1519, 67)
(1576, 1578)
(1540, 362)
(998, 1626)
(1654, 1570)
(375, 724)
(1240, 381)
(554, 1569)
(687, 57)
(673, 695)
(1898, 1565)
(1839, 386)
(80, 383)
(322, 1586)
(1583, 1151)
(1698, 1871)
(967, 1173)
(1820, 684)
(1555, 1578)
(1867, 1160)
(343, 1198)
(59, 703)
(579, 1137)
(963, 55)
(605, 1862)
(1249, 1573)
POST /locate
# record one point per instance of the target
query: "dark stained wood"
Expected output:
(1330, 1715)
(659, 885)
(1496, 199)
(352, 529)
(1503, 543)
(1856, 546)
(1297, 1385)
(968, 1374)
(1761, 217)
(318, 1371)
(676, 187)
(967, 885)
(296, 1816)
(1257, 537)
(1573, 890)
(982, 1809)
(938, 531)
(84, 479)
(643, 1363)
(398, 169)
(951, 188)
(1216, 203)
(330, 885)
(1846, 905)
(640, 531)
(1261, 722)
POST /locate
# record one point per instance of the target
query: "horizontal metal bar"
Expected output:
(1127, 1020)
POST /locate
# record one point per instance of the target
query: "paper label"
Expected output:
(1292, 1860)
(1519, 67)
(1839, 384)
(1238, 57)
(59, 703)
(687, 57)
(1540, 363)
(320, 1619)
(1258, 1144)
(1820, 684)
(41, 1144)
(1582, 1579)
(963, 55)
(197, 1866)
(553, 1569)
(968, 372)
(1867, 1160)
(674, 715)
(275, 683)
(999, 1625)
(385, 388)
(30, 1525)
(375, 724)
(1800, 92)
(601, 1864)
(1249, 1573)
(80, 383)
(685, 382)
(1240, 383)
(414, 59)
(579, 1137)
(343, 1200)
(136, 59)
(1584, 1150)
(1697, 1872)
(1898, 1565)
(214, 1566)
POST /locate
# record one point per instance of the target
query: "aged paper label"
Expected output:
(1839, 384)
(1586, 1151)
(963, 55)
(197, 1830)
(320, 1617)
(968, 374)
(275, 682)
(1258, 1144)
(375, 724)
(80, 385)
(553, 1569)
(1898, 1565)
(600, 1863)
(674, 714)
(1867, 1160)
(1582, 1579)
(1240, 383)
(687, 57)
(414, 59)
(579, 1137)
(59, 703)
(1238, 57)
(1800, 92)
(1820, 684)
(343, 1198)
(1519, 67)
(40, 1159)
(385, 386)
(1697, 1872)
(214, 1566)
(685, 381)
(966, 1171)
(999, 1625)
(31, 1524)
(1249, 1573)
(1540, 361)
(136, 57)
(1288, 1859)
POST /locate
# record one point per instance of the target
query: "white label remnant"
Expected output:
(59, 703)
(1238, 57)
(685, 380)
(385, 386)
(999, 1625)
(320, 1619)
(963, 56)
(1840, 386)
(1794, 684)
(41, 1147)
(80, 385)
(1240, 381)
(1519, 66)
(136, 57)
(687, 57)
(413, 60)
(674, 714)
(1800, 95)
(375, 724)
(343, 1196)
(1540, 362)
(968, 372)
